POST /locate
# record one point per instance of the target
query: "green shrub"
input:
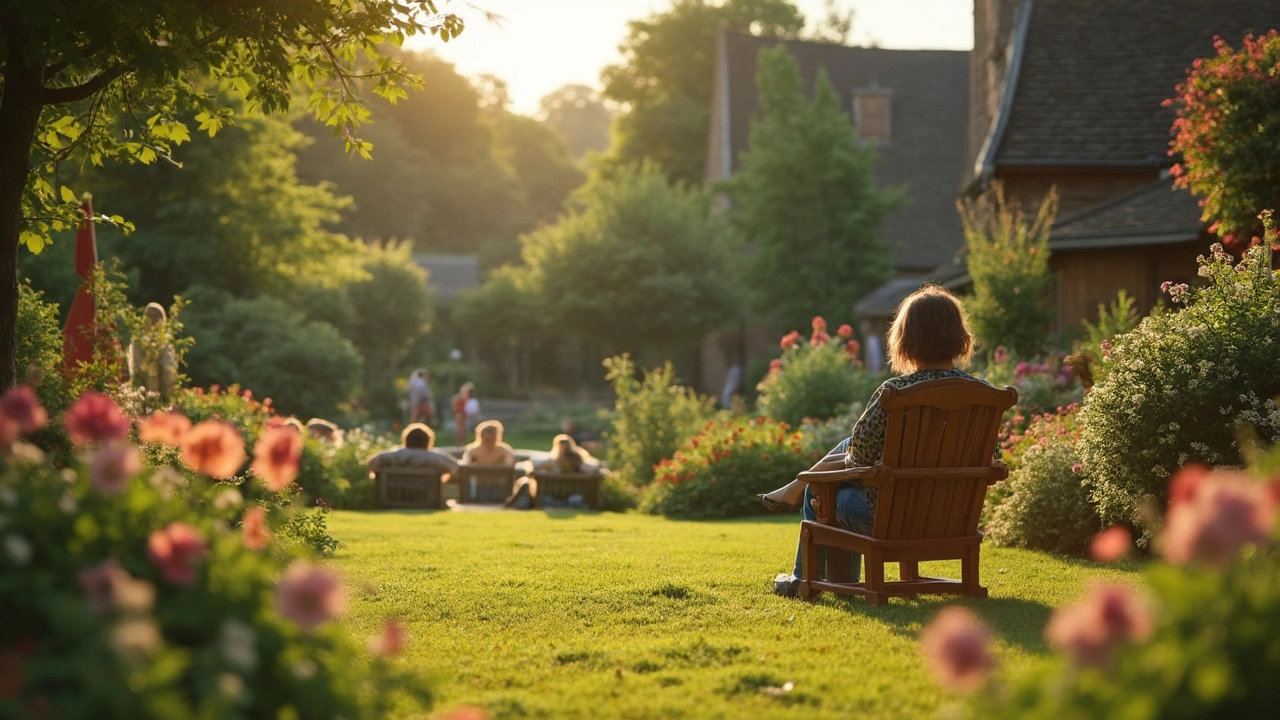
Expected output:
(1184, 385)
(1044, 504)
(336, 475)
(306, 368)
(177, 636)
(39, 363)
(717, 473)
(815, 380)
(1114, 320)
(230, 404)
(823, 436)
(617, 495)
(1044, 384)
(651, 417)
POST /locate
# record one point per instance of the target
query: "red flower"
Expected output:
(790, 339)
(852, 348)
(309, 595)
(20, 412)
(213, 448)
(113, 466)
(819, 325)
(256, 533)
(164, 428)
(95, 418)
(176, 551)
(1186, 482)
(775, 365)
(956, 646)
(819, 338)
(1110, 544)
(390, 641)
(845, 331)
(276, 457)
(1090, 630)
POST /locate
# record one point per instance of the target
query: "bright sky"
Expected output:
(543, 44)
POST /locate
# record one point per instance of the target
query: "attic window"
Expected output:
(873, 114)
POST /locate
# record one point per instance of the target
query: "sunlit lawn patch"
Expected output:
(561, 614)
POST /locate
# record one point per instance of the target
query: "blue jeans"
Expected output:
(852, 511)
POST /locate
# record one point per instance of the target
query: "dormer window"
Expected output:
(873, 114)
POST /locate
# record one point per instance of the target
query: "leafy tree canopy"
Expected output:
(579, 114)
(805, 202)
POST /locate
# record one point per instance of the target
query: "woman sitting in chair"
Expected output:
(929, 338)
(488, 448)
(566, 457)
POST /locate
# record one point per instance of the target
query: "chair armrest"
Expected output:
(874, 475)
(999, 471)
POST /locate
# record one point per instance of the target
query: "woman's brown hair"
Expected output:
(929, 328)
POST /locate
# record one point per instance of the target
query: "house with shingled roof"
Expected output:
(913, 104)
(1068, 94)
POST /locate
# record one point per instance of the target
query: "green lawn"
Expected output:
(560, 614)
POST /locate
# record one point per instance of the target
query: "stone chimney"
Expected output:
(993, 27)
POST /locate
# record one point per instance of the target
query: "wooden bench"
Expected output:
(933, 479)
(409, 487)
(562, 486)
(485, 483)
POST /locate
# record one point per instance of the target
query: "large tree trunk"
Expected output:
(19, 114)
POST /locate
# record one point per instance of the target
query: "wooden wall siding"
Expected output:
(1077, 191)
(1087, 278)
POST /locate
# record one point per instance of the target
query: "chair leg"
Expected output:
(874, 560)
(969, 573)
(909, 570)
(838, 566)
(808, 563)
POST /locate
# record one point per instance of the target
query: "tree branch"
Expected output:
(58, 96)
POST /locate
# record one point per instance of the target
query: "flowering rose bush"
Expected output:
(1227, 136)
(336, 473)
(1044, 504)
(717, 473)
(1044, 385)
(1184, 385)
(817, 379)
(139, 592)
(1199, 642)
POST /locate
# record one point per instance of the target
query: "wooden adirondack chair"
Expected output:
(933, 479)
(562, 486)
(409, 487)
(485, 483)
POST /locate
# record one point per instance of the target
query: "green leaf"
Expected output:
(35, 242)
(68, 195)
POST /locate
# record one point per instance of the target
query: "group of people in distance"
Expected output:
(488, 450)
(422, 404)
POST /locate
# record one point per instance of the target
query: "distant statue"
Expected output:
(153, 364)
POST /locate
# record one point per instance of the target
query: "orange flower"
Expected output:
(164, 428)
(257, 535)
(390, 641)
(1110, 544)
(213, 448)
(276, 456)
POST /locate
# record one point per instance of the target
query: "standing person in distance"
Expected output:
(422, 403)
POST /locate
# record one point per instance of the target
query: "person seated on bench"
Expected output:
(488, 448)
(418, 441)
(324, 431)
(929, 338)
(566, 457)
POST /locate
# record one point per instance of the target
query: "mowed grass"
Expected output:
(562, 614)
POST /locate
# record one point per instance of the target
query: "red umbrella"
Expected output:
(82, 322)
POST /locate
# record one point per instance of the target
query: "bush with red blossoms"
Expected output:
(1197, 639)
(1226, 136)
(130, 591)
(815, 380)
(956, 646)
(717, 472)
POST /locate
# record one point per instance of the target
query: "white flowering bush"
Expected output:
(1186, 386)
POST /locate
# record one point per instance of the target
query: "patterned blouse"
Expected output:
(866, 444)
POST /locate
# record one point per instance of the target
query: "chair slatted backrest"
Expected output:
(408, 487)
(951, 423)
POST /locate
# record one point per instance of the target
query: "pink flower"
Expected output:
(1185, 483)
(309, 595)
(1090, 630)
(165, 428)
(956, 646)
(790, 339)
(1110, 544)
(390, 641)
(1001, 354)
(775, 365)
(113, 466)
(256, 532)
(1225, 512)
(108, 587)
(467, 713)
(845, 331)
(819, 338)
(276, 456)
(1164, 286)
(1077, 468)
(819, 325)
(852, 348)
(213, 448)
(176, 550)
(95, 418)
(20, 412)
